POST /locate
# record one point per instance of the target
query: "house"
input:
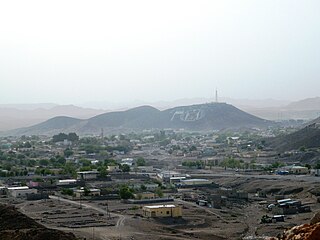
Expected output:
(87, 175)
(166, 175)
(162, 211)
(113, 168)
(147, 186)
(127, 161)
(69, 183)
(296, 169)
(232, 193)
(145, 195)
(21, 192)
(174, 180)
(91, 192)
(195, 182)
(288, 206)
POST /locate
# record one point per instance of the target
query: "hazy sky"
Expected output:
(119, 51)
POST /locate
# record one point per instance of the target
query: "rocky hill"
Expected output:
(17, 226)
(303, 232)
(201, 117)
(308, 137)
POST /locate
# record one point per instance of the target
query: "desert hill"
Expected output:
(200, 117)
(308, 136)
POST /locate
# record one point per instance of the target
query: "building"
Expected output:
(91, 192)
(127, 161)
(166, 175)
(113, 168)
(233, 193)
(296, 169)
(21, 192)
(195, 182)
(162, 211)
(87, 175)
(146, 187)
(174, 180)
(65, 182)
(145, 195)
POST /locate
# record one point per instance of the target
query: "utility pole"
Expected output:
(102, 134)
(80, 201)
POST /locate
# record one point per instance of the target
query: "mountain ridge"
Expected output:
(198, 117)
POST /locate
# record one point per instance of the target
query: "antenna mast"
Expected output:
(216, 95)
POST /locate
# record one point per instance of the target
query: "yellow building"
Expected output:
(162, 211)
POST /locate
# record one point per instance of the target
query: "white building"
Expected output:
(91, 192)
(127, 161)
(66, 182)
(166, 175)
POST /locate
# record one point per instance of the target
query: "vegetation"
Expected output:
(193, 164)
(125, 192)
(125, 168)
(67, 191)
(73, 137)
(141, 161)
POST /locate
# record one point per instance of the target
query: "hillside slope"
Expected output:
(308, 137)
(15, 225)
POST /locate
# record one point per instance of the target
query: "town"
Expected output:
(162, 184)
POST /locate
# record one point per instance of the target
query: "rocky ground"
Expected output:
(240, 220)
(17, 226)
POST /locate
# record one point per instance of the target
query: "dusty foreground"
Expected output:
(239, 220)
(15, 225)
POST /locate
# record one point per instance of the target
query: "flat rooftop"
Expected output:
(161, 206)
(18, 188)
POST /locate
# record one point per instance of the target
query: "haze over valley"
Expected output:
(159, 120)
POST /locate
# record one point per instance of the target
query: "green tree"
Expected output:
(125, 168)
(102, 171)
(192, 148)
(67, 191)
(308, 166)
(73, 137)
(59, 137)
(67, 152)
(159, 192)
(44, 162)
(27, 145)
(317, 166)
(60, 160)
(143, 188)
(141, 161)
(125, 192)
(302, 149)
(86, 191)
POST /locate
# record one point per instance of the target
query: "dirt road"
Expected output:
(120, 221)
